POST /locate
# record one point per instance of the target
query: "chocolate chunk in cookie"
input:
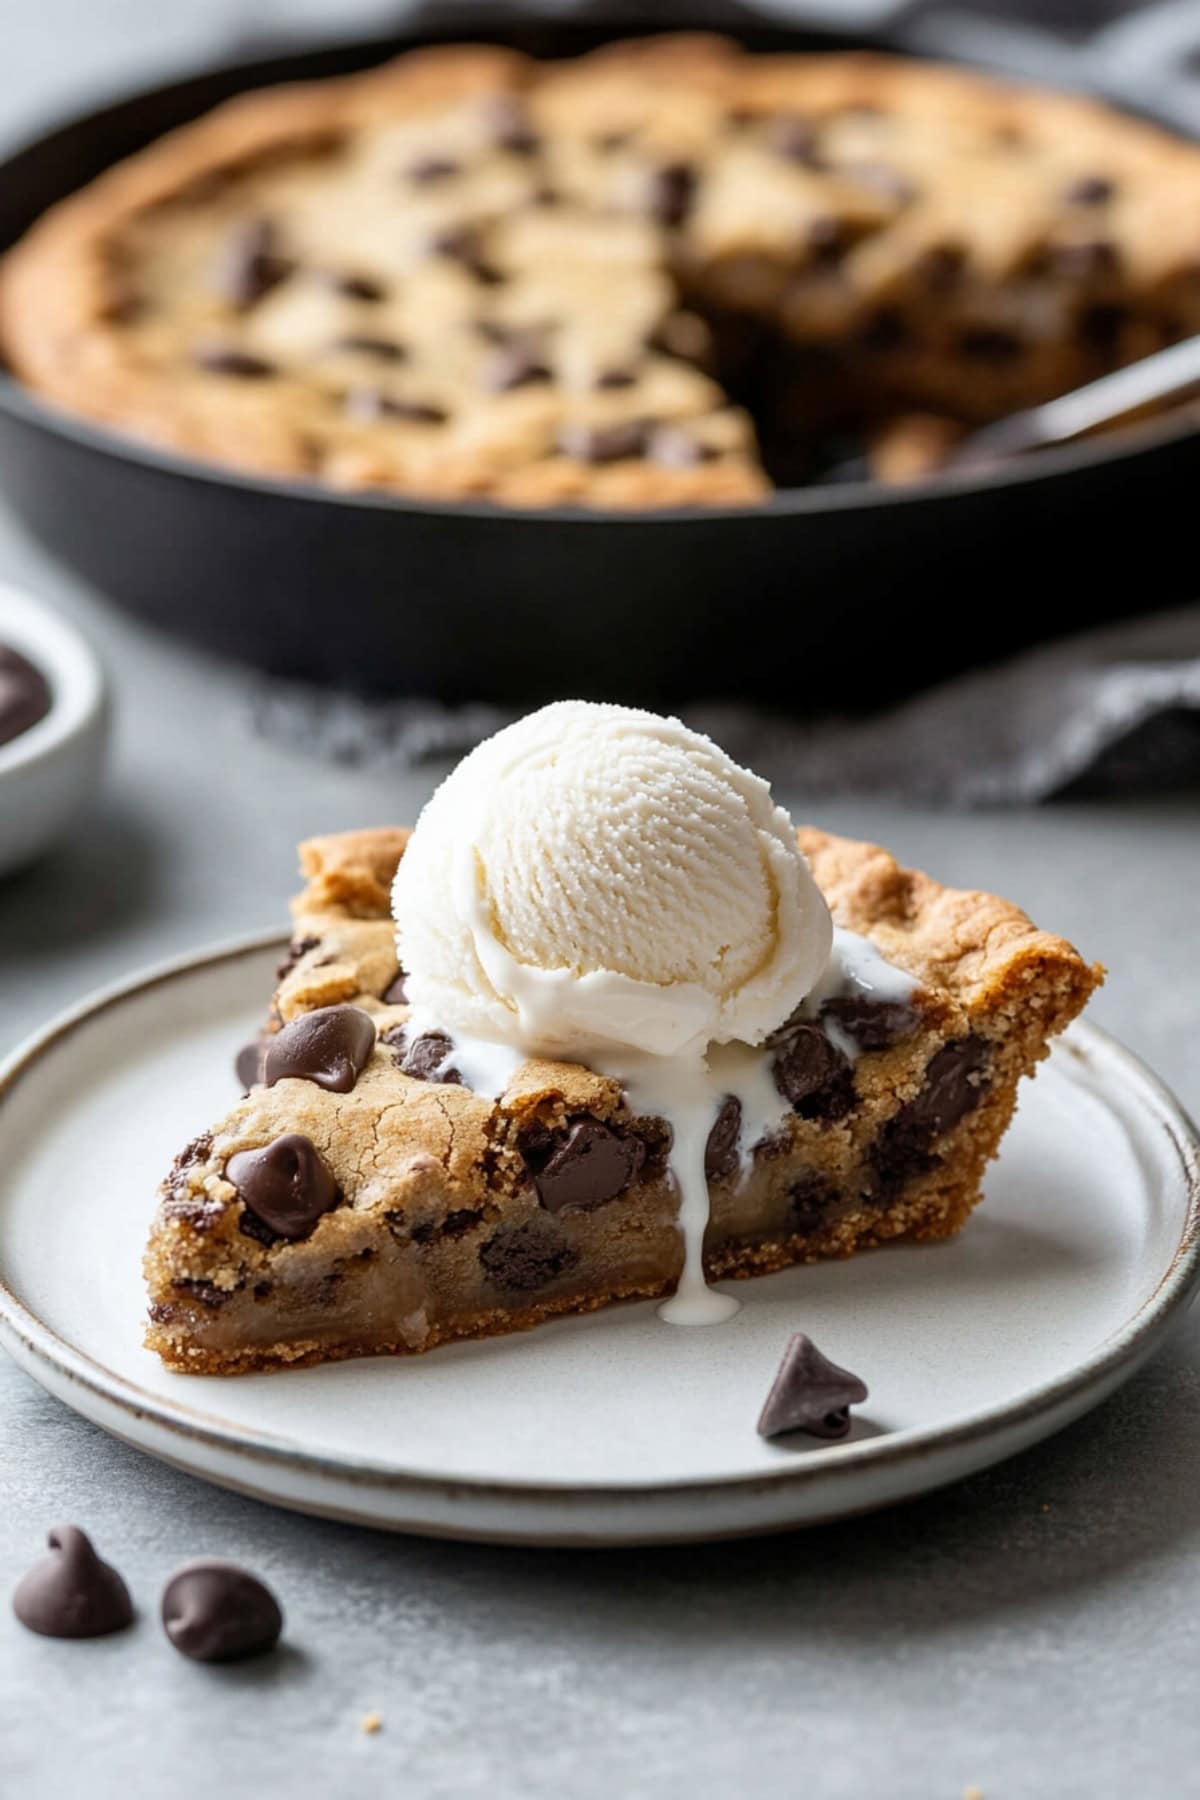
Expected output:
(583, 1167)
(813, 1075)
(525, 1257)
(424, 1058)
(330, 1046)
(671, 192)
(873, 1024)
(603, 443)
(285, 1186)
(721, 1151)
(251, 264)
(225, 359)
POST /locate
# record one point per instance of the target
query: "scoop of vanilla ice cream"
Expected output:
(595, 876)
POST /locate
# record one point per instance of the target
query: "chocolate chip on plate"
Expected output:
(330, 1046)
(285, 1185)
(213, 1611)
(810, 1393)
(672, 189)
(224, 359)
(721, 1150)
(251, 265)
(813, 1075)
(71, 1593)
(24, 694)
(586, 1166)
(873, 1024)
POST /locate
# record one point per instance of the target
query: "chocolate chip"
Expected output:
(299, 947)
(873, 1024)
(810, 1393)
(675, 448)
(1086, 262)
(886, 330)
(1090, 190)
(369, 405)
(213, 1298)
(942, 267)
(248, 1063)
(396, 993)
(215, 1612)
(524, 1257)
(71, 1593)
(721, 1151)
(672, 190)
(1101, 326)
(827, 238)
(330, 1046)
(285, 1185)
(809, 1200)
(462, 244)
(617, 378)
(795, 139)
(516, 366)
(424, 1058)
(354, 287)
(813, 1075)
(511, 128)
(430, 169)
(223, 359)
(954, 1084)
(24, 694)
(251, 265)
(685, 335)
(610, 141)
(586, 1166)
(990, 344)
(603, 443)
(545, 195)
(380, 349)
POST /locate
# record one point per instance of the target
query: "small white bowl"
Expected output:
(49, 771)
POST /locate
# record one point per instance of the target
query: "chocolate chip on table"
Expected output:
(1090, 190)
(396, 992)
(604, 443)
(514, 366)
(368, 406)
(224, 359)
(24, 694)
(672, 189)
(380, 349)
(430, 169)
(424, 1058)
(795, 139)
(285, 1185)
(813, 1075)
(71, 1593)
(873, 1024)
(250, 265)
(248, 1063)
(810, 1394)
(583, 1167)
(721, 1151)
(330, 1046)
(524, 1257)
(215, 1612)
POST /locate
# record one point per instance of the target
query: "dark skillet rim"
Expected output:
(1138, 1334)
(1127, 444)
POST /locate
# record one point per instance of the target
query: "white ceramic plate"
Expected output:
(614, 1428)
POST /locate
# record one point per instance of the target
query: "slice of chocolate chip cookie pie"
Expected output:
(362, 1197)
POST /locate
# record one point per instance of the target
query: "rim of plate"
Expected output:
(192, 1424)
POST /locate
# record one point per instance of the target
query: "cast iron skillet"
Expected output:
(821, 597)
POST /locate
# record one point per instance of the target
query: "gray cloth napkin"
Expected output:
(1112, 711)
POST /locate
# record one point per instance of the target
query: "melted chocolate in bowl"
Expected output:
(24, 694)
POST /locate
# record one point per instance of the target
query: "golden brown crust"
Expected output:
(879, 248)
(436, 1171)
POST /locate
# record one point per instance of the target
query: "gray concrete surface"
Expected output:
(1031, 1632)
